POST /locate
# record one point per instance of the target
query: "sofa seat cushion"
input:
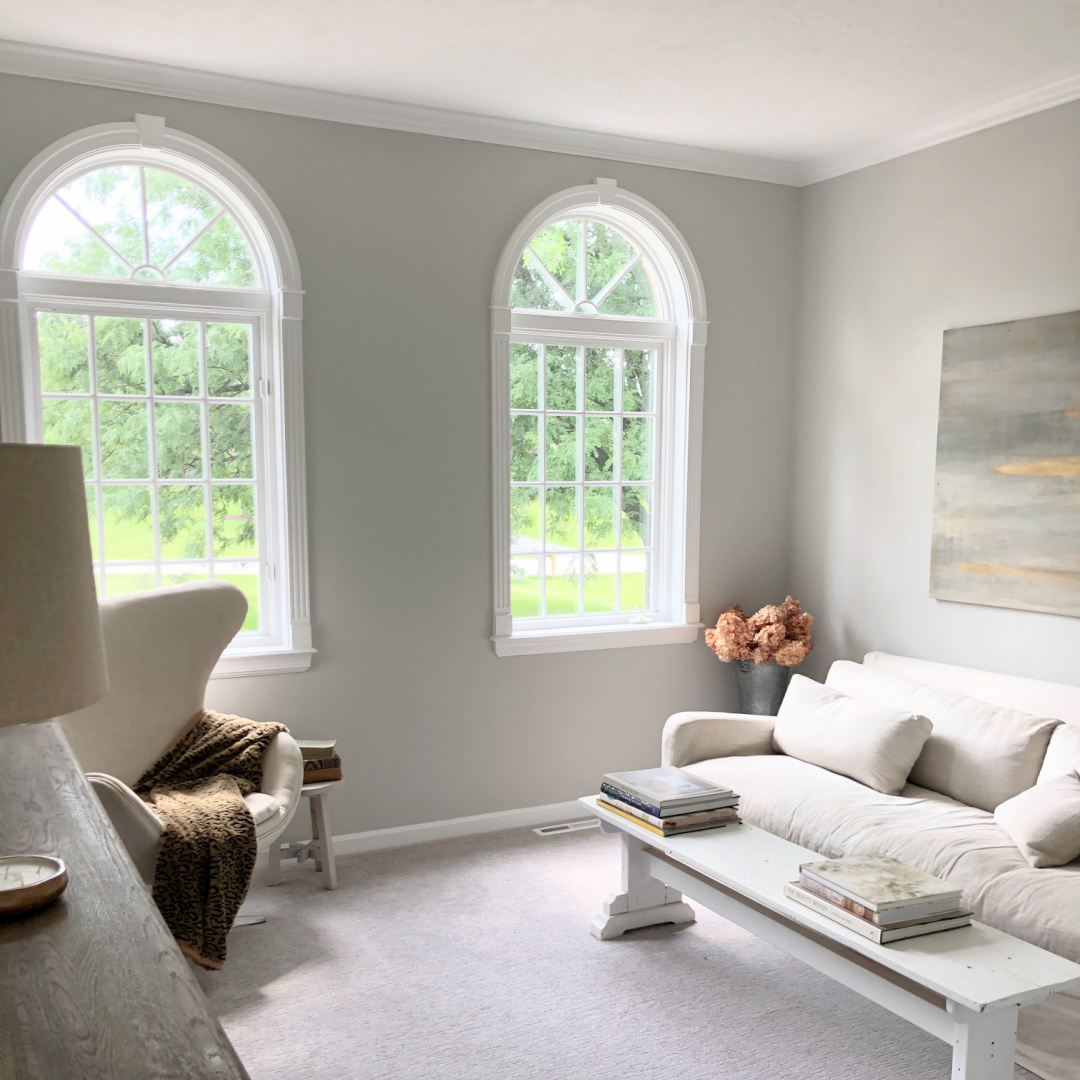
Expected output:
(835, 816)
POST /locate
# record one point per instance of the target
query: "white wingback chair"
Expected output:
(161, 647)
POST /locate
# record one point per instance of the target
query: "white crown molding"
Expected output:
(1036, 97)
(139, 76)
(117, 73)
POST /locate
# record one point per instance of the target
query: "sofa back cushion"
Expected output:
(1063, 753)
(979, 754)
(874, 744)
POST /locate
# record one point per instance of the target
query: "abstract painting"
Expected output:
(1007, 506)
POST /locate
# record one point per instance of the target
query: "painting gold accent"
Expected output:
(1016, 571)
(1055, 466)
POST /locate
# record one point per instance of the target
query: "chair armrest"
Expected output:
(283, 776)
(698, 736)
(136, 824)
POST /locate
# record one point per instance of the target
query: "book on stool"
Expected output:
(321, 762)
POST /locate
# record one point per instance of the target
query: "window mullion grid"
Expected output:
(551, 281)
(616, 279)
(194, 240)
(151, 427)
(657, 484)
(90, 228)
(95, 429)
(208, 491)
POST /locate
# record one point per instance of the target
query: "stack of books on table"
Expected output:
(321, 762)
(669, 801)
(879, 897)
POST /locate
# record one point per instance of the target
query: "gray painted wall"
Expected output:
(398, 236)
(980, 230)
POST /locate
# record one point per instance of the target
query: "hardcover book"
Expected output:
(666, 787)
(668, 810)
(891, 917)
(321, 776)
(681, 830)
(704, 817)
(316, 748)
(880, 882)
(883, 935)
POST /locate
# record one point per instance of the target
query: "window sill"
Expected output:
(236, 665)
(585, 638)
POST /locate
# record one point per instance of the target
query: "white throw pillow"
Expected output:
(874, 744)
(1044, 821)
(979, 754)
(1063, 753)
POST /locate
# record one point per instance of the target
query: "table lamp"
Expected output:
(52, 655)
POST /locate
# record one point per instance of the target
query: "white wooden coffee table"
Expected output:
(965, 986)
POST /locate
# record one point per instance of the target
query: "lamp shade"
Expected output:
(52, 657)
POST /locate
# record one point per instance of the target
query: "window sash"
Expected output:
(269, 541)
(560, 326)
(156, 294)
(658, 550)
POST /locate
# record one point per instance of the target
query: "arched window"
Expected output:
(598, 328)
(157, 302)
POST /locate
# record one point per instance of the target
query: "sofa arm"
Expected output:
(698, 736)
(136, 824)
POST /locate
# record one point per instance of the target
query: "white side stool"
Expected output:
(321, 845)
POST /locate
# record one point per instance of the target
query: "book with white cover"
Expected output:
(879, 882)
(667, 786)
(883, 935)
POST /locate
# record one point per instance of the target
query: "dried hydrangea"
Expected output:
(799, 627)
(732, 637)
(790, 607)
(791, 653)
(779, 632)
(768, 639)
(769, 615)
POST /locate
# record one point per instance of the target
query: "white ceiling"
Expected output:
(787, 79)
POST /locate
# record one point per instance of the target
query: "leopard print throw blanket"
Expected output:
(208, 849)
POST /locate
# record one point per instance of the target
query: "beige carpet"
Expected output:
(472, 959)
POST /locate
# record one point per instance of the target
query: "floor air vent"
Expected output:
(569, 826)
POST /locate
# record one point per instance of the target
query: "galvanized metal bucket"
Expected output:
(761, 686)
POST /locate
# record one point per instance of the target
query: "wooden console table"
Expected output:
(92, 987)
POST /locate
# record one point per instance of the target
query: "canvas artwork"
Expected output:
(1007, 507)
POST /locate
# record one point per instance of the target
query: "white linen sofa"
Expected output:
(834, 815)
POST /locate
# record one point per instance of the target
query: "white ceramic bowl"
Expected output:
(28, 882)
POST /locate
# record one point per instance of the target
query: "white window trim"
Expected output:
(281, 318)
(684, 331)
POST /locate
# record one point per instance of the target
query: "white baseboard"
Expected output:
(403, 835)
